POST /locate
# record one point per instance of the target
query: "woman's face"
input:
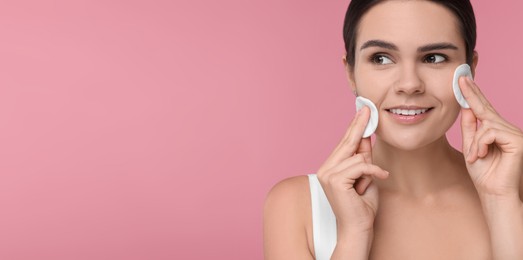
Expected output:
(406, 54)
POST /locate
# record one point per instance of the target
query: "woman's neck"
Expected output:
(420, 172)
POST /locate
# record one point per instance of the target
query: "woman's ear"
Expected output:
(350, 74)
(475, 60)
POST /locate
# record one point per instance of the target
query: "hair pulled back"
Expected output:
(462, 9)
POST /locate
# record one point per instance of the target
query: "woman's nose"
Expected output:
(409, 81)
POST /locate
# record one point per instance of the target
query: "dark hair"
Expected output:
(461, 8)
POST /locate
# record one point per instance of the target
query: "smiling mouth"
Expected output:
(409, 112)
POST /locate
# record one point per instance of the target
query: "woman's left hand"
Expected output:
(493, 149)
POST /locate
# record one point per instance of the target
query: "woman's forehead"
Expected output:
(409, 23)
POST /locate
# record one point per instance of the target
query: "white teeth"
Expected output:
(405, 112)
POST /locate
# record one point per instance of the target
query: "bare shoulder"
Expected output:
(291, 190)
(286, 220)
(289, 197)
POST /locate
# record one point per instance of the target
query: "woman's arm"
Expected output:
(505, 221)
(346, 178)
(494, 157)
(285, 215)
(352, 245)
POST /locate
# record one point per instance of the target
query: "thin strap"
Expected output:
(323, 221)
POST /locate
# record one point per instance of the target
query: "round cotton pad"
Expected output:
(461, 70)
(373, 121)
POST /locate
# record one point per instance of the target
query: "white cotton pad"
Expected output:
(461, 70)
(373, 121)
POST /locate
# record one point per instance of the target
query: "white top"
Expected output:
(323, 221)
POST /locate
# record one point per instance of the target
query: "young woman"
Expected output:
(410, 195)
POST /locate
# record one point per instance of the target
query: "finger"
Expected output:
(485, 111)
(473, 151)
(484, 141)
(363, 169)
(468, 129)
(347, 179)
(362, 184)
(347, 163)
(477, 101)
(351, 141)
(365, 149)
(357, 127)
(365, 112)
(371, 192)
(343, 166)
(502, 139)
(482, 144)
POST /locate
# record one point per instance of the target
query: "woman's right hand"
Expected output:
(346, 177)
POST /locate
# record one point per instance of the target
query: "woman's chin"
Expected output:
(408, 142)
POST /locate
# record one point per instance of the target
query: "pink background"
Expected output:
(154, 129)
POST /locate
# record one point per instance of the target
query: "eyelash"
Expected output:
(373, 58)
(445, 57)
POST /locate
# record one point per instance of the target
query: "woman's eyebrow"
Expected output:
(425, 48)
(379, 43)
(437, 46)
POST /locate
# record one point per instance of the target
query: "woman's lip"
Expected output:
(408, 107)
(409, 119)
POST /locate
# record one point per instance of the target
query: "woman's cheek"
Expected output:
(374, 84)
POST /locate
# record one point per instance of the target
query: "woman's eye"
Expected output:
(435, 58)
(381, 59)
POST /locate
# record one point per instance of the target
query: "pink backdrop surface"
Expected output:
(154, 129)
